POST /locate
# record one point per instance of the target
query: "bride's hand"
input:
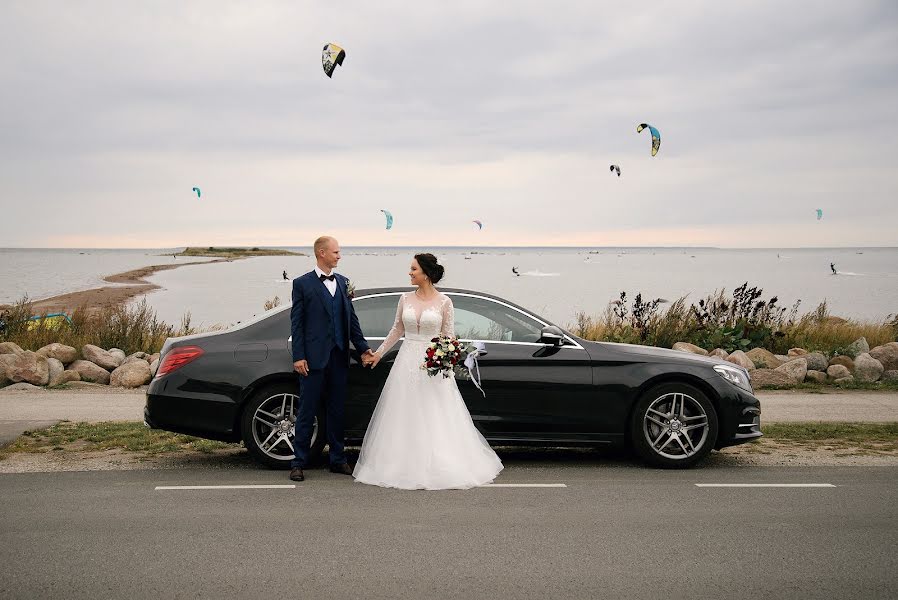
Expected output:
(373, 360)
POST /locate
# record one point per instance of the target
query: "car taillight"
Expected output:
(177, 358)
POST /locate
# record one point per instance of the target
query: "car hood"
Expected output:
(636, 352)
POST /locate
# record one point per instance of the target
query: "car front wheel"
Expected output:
(674, 426)
(268, 426)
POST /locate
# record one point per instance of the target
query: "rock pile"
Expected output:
(56, 364)
(860, 363)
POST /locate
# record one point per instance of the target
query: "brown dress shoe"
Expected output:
(297, 475)
(342, 469)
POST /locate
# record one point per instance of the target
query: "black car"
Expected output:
(544, 386)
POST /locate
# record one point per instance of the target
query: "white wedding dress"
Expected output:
(421, 435)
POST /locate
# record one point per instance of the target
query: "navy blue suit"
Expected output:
(322, 327)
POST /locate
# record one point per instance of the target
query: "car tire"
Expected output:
(674, 426)
(276, 419)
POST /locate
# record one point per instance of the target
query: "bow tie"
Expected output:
(328, 277)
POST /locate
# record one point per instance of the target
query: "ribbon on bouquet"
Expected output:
(474, 366)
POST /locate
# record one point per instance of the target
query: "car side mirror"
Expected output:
(551, 336)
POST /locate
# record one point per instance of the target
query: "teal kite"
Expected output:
(198, 192)
(819, 213)
(389, 217)
(656, 136)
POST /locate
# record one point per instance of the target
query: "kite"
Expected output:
(479, 224)
(656, 136)
(331, 56)
(615, 169)
(819, 213)
(389, 217)
(198, 192)
(515, 271)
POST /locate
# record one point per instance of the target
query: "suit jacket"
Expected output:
(311, 321)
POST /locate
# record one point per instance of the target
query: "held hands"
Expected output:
(370, 358)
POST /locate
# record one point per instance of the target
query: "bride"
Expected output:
(421, 435)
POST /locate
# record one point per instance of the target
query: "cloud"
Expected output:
(444, 114)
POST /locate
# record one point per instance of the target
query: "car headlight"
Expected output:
(734, 375)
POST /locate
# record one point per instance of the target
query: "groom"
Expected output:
(323, 322)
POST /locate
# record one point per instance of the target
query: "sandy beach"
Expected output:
(131, 284)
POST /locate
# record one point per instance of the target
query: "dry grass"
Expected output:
(131, 328)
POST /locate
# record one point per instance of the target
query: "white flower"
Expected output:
(439, 353)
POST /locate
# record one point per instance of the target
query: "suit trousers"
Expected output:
(328, 385)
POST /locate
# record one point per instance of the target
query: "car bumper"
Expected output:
(739, 414)
(173, 404)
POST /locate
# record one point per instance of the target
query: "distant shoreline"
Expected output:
(94, 299)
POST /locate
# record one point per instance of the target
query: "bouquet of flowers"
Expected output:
(446, 356)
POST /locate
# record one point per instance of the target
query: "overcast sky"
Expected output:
(444, 112)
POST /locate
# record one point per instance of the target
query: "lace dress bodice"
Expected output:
(419, 320)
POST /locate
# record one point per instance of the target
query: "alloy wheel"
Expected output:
(675, 426)
(274, 426)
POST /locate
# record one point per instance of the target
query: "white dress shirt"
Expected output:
(330, 285)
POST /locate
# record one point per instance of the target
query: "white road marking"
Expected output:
(764, 485)
(225, 487)
(525, 485)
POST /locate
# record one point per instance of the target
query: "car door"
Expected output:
(376, 314)
(533, 391)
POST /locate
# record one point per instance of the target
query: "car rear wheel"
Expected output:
(674, 426)
(268, 426)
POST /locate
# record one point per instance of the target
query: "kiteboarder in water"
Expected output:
(833, 267)
(285, 275)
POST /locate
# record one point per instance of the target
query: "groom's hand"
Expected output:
(301, 367)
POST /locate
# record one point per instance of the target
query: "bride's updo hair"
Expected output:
(430, 266)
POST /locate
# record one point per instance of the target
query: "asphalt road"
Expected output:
(628, 532)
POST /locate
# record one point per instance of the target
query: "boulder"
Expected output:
(5, 360)
(738, 358)
(142, 355)
(783, 357)
(858, 346)
(815, 376)
(719, 353)
(687, 347)
(154, 366)
(763, 359)
(153, 357)
(100, 357)
(795, 352)
(816, 361)
(843, 360)
(794, 369)
(891, 375)
(867, 368)
(837, 372)
(90, 372)
(848, 379)
(131, 359)
(131, 375)
(768, 377)
(61, 352)
(21, 387)
(29, 367)
(67, 376)
(56, 369)
(117, 352)
(10, 348)
(887, 354)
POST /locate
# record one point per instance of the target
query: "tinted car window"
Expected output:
(482, 319)
(376, 314)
